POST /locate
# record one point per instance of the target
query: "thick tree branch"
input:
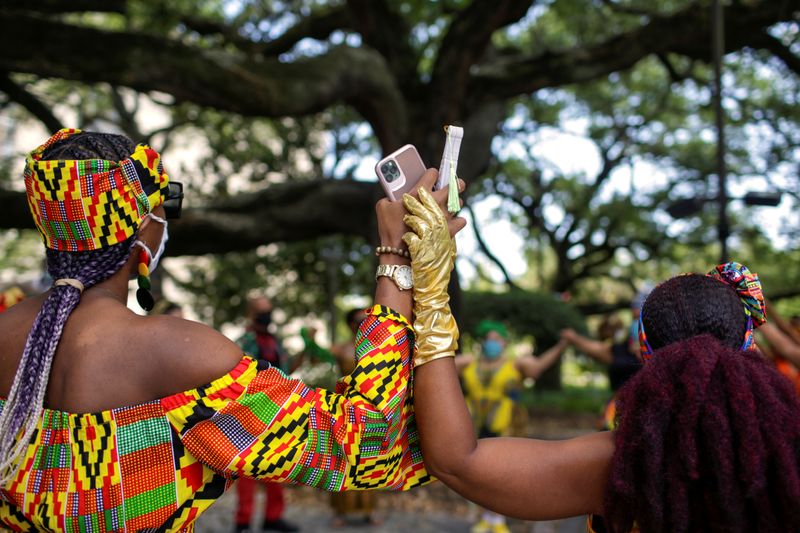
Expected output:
(628, 10)
(387, 31)
(685, 32)
(72, 6)
(466, 41)
(292, 211)
(319, 25)
(27, 100)
(230, 34)
(225, 81)
(781, 51)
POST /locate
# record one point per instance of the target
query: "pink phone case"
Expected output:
(400, 171)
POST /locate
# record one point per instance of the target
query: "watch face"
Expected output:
(403, 277)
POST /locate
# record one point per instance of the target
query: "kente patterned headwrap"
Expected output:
(88, 204)
(747, 287)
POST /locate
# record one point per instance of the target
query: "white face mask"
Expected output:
(164, 238)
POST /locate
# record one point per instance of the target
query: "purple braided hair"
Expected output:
(26, 398)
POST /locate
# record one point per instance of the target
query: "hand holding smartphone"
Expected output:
(400, 171)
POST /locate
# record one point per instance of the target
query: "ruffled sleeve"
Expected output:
(258, 423)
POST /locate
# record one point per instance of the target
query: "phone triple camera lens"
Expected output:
(390, 171)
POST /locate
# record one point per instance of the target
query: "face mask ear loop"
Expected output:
(154, 259)
(143, 295)
(157, 218)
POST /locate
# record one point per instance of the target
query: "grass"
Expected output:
(584, 390)
(570, 399)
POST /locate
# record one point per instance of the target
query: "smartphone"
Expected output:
(400, 171)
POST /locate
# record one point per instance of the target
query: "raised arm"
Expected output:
(781, 323)
(532, 366)
(266, 426)
(781, 343)
(272, 428)
(593, 348)
(526, 478)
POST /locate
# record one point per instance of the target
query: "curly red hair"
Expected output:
(708, 435)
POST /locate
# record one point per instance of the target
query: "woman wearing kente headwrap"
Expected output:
(708, 432)
(113, 421)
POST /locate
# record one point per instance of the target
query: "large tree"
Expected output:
(404, 68)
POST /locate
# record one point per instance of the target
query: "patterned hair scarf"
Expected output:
(747, 287)
(88, 204)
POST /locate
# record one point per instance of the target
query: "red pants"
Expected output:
(245, 489)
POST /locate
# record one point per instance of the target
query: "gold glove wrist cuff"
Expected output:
(421, 360)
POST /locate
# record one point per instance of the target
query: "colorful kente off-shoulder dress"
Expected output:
(157, 466)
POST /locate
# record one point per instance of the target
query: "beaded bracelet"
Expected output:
(391, 250)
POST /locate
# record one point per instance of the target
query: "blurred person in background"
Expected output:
(621, 356)
(492, 383)
(782, 346)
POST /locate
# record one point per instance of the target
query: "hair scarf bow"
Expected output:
(747, 287)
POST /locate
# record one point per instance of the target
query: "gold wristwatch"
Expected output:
(400, 274)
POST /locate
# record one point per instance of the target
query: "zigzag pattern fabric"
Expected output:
(159, 465)
(88, 204)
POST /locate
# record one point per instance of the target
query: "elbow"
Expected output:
(454, 474)
(536, 374)
(442, 471)
(436, 466)
(448, 465)
(533, 372)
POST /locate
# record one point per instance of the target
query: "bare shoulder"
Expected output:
(185, 354)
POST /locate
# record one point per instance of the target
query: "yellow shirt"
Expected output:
(489, 395)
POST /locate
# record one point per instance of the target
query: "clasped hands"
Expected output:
(433, 252)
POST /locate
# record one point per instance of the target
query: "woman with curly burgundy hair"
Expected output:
(708, 434)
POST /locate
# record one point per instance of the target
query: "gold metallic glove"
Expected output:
(433, 253)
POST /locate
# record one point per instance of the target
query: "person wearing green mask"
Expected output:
(492, 382)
